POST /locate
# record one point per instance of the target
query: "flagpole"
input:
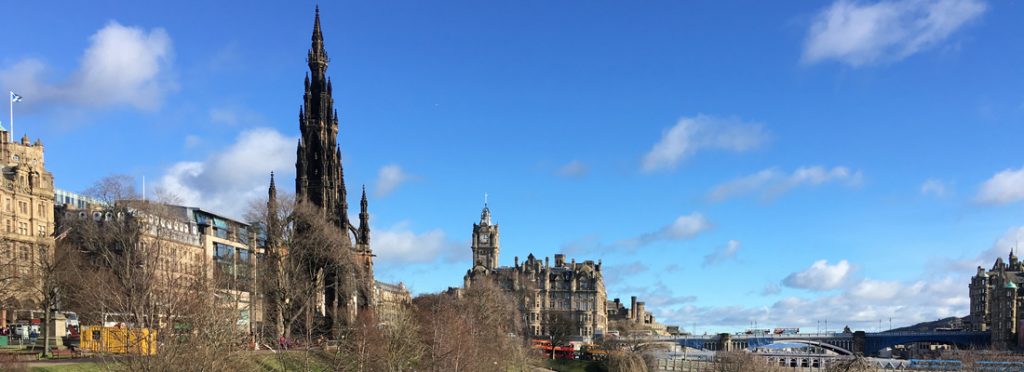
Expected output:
(10, 99)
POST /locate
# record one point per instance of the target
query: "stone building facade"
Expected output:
(320, 180)
(390, 301)
(546, 292)
(997, 302)
(187, 245)
(636, 312)
(26, 204)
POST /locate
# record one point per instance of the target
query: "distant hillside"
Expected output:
(951, 322)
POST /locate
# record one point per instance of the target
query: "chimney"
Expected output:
(632, 308)
(559, 260)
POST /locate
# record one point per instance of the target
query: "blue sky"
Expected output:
(729, 162)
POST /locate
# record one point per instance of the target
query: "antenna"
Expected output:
(485, 199)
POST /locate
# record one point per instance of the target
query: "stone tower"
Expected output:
(486, 245)
(319, 178)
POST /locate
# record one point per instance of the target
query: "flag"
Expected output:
(15, 97)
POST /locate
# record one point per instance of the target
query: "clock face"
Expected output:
(484, 238)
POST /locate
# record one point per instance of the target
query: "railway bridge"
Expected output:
(847, 343)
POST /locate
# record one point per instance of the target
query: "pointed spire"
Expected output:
(317, 57)
(273, 188)
(317, 35)
(362, 203)
(364, 221)
(272, 224)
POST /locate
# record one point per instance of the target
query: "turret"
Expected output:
(364, 220)
(485, 216)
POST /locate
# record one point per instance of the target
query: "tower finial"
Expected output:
(485, 214)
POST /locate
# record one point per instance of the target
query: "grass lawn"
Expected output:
(286, 361)
(292, 361)
(563, 365)
(76, 367)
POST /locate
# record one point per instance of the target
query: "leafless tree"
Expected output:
(136, 264)
(306, 257)
(741, 361)
(631, 346)
(561, 328)
(475, 332)
(854, 364)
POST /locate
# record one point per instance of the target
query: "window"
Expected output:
(23, 228)
(243, 256)
(8, 205)
(9, 227)
(42, 210)
(23, 207)
(224, 251)
(42, 229)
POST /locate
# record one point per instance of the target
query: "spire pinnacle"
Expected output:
(317, 58)
(272, 190)
(317, 35)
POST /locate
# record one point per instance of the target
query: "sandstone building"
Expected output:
(563, 291)
(390, 300)
(185, 246)
(997, 302)
(636, 313)
(26, 204)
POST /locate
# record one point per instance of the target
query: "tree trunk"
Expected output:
(46, 329)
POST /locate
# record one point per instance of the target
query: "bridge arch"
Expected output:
(823, 345)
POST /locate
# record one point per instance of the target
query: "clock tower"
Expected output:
(485, 242)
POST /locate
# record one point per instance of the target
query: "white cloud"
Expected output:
(1011, 239)
(574, 168)
(226, 181)
(820, 276)
(877, 290)
(683, 227)
(770, 183)
(860, 307)
(389, 178)
(619, 273)
(654, 296)
(686, 226)
(399, 244)
(722, 254)
(1003, 188)
(934, 187)
(691, 135)
(858, 33)
(122, 66)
